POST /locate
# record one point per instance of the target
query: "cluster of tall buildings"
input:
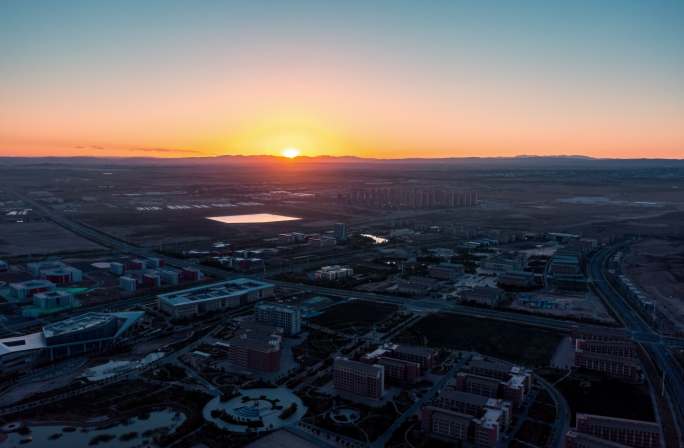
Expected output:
(367, 377)
(151, 273)
(47, 275)
(494, 379)
(477, 405)
(462, 416)
(411, 197)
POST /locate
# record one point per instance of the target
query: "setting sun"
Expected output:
(290, 153)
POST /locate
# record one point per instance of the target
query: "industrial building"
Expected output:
(287, 317)
(87, 333)
(214, 297)
(359, 378)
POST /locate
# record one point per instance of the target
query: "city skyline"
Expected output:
(388, 80)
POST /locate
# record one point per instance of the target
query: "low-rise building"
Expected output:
(483, 295)
(517, 279)
(53, 299)
(214, 297)
(359, 378)
(26, 290)
(446, 271)
(128, 284)
(332, 273)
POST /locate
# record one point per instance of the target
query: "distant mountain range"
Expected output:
(521, 161)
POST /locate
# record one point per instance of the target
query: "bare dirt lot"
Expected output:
(657, 267)
(39, 238)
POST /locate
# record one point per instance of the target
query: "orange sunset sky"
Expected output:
(387, 80)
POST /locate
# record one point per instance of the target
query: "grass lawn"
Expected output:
(518, 343)
(359, 314)
(592, 393)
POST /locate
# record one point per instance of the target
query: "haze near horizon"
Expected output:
(387, 80)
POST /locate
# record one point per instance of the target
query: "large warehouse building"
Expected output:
(214, 297)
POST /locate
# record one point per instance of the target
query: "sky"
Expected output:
(385, 79)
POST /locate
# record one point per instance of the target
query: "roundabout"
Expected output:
(255, 410)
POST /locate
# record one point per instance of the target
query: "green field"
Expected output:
(518, 343)
(358, 315)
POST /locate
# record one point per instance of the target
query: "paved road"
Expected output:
(641, 332)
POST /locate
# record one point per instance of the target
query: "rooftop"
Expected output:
(361, 367)
(230, 288)
(77, 323)
(33, 284)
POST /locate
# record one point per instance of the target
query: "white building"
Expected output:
(332, 273)
(128, 284)
(214, 297)
(53, 299)
(287, 317)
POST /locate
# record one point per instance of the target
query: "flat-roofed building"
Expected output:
(53, 299)
(255, 346)
(399, 370)
(287, 317)
(359, 378)
(483, 295)
(214, 297)
(517, 279)
(481, 375)
(87, 333)
(332, 273)
(466, 417)
(632, 433)
(617, 359)
(445, 424)
(26, 290)
(425, 356)
(446, 271)
(574, 439)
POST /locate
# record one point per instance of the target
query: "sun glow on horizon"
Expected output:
(290, 152)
